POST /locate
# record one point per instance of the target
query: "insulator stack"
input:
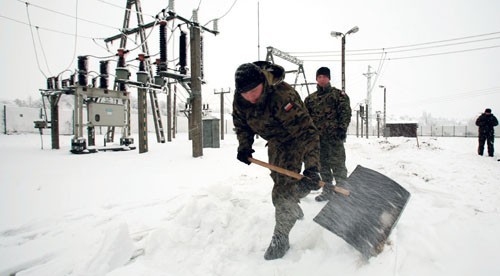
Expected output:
(182, 53)
(142, 66)
(50, 83)
(163, 46)
(103, 70)
(56, 82)
(122, 73)
(158, 62)
(121, 58)
(82, 70)
(142, 75)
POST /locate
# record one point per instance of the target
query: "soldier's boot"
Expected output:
(285, 219)
(278, 247)
(326, 193)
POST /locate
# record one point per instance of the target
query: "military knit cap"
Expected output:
(323, 71)
(247, 77)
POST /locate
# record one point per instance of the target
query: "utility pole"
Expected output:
(368, 76)
(169, 113)
(196, 116)
(222, 110)
(385, 114)
(174, 113)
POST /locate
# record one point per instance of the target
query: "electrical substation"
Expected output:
(98, 105)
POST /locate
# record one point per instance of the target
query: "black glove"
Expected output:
(244, 154)
(311, 179)
(340, 134)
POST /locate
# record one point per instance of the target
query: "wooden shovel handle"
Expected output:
(295, 175)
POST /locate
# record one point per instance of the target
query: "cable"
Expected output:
(130, 10)
(381, 51)
(68, 15)
(47, 29)
(33, 40)
(146, 38)
(43, 52)
(408, 57)
(446, 53)
(226, 13)
(378, 50)
(76, 37)
(456, 97)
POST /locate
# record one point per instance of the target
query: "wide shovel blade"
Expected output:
(366, 218)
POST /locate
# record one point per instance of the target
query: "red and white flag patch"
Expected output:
(288, 107)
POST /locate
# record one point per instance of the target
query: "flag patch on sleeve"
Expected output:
(288, 107)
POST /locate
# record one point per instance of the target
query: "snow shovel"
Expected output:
(366, 218)
(294, 174)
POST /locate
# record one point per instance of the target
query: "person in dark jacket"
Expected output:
(330, 110)
(486, 123)
(267, 106)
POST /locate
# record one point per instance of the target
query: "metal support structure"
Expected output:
(222, 92)
(160, 136)
(368, 76)
(385, 113)
(54, 120)
(271, 52)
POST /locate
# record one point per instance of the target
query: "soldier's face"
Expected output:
(253, 95)
(322, 80)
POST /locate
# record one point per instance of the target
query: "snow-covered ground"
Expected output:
(167, 213)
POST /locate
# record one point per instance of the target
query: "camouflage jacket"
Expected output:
(330, 109)
(279, 117)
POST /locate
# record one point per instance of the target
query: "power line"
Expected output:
(408, 57)
(456, 97)
(378, 50)
(381, 51)
(122, 8)
(34, 45)
(68, 15)
(47, 29)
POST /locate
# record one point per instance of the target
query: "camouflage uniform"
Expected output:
(280, 118)
(330, 110)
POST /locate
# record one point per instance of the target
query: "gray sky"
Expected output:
(455, 78)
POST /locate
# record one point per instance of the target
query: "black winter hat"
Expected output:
(487, 110)
(247, 77)
(323, 71)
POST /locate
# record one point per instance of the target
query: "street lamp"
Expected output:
(385, 114)
(337, 34)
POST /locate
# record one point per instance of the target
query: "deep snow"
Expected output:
(167, 213)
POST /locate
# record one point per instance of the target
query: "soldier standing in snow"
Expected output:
(267, 106)
(330, 110)
(486, 123)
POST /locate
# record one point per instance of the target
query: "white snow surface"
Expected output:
(166, 213)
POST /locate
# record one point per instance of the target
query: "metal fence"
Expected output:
(20, 120)
(432, 131)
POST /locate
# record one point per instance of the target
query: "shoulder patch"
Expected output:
(288, 106)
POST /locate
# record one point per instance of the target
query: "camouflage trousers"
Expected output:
(286, 191)
(332, 159)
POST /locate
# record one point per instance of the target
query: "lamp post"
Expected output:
(385, 114)
(337, 34)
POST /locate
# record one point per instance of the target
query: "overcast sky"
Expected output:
(439, 57)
